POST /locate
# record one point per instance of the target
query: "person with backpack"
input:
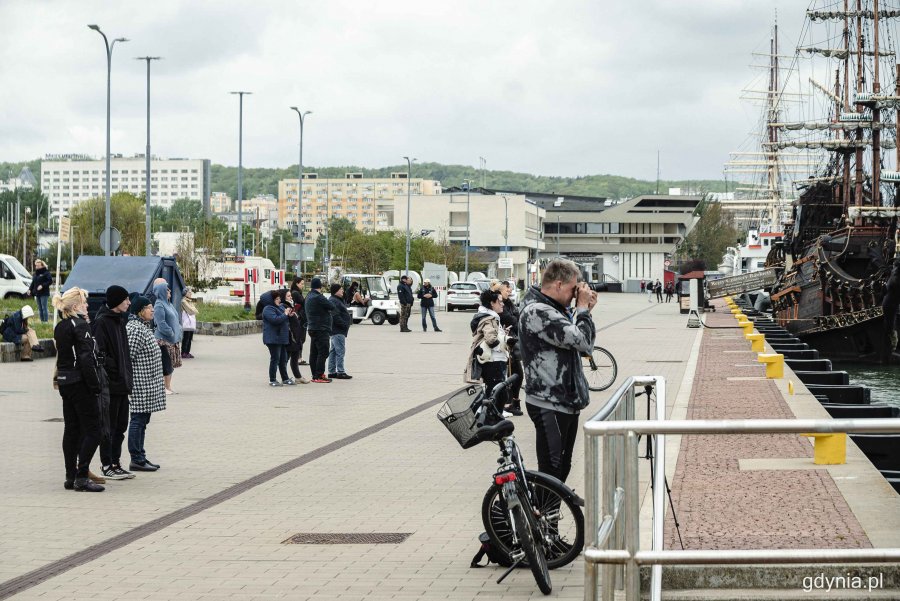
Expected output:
(552, 343)
(319, 316)
(79, 383)
(15, 329)
(40, 288)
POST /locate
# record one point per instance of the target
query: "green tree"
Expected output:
(127, 215)
(712, 234)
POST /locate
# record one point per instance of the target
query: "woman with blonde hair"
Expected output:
(40, 288)
(188, 323)
(79, 383)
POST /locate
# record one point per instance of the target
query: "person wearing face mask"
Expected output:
(552, 343)
(78, 381)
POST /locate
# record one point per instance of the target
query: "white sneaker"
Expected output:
(507, 414)
(110, 472)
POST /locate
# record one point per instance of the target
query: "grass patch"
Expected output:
(216, 312)
(11, 305)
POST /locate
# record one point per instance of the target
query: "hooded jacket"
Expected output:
(15, 327)
(112, 340)
(319, 312)
(490, 337)
(404, 294)
(165, 316)
(276, 329)
(551, 346)
(340, 323)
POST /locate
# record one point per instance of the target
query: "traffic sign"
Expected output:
(115, 239)
(667, 262)
(65, 229)
(504, 263)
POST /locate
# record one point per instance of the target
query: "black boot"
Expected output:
(86, 485)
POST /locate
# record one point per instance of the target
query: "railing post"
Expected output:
(609, 483)
(632, 521)
(592, 500)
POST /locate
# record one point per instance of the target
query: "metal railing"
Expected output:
(617, 545)
(621, 489)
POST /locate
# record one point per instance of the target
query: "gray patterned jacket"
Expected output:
(551, 346)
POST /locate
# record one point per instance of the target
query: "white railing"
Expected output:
(616, 545)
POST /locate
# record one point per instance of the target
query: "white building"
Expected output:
(69, 179)
(24, 181)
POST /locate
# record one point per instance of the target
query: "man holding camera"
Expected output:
(552, 343)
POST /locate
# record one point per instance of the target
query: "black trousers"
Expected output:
(515, 367)
(187, 338)
(111, 447)
(81, 435)
(492, 373)
(318, 351)
(556, 433)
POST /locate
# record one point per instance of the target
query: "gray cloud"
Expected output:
(561, 88)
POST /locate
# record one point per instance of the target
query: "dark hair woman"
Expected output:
(489, 354)
(78, 379)
(295, 350)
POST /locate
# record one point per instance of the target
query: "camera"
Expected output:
(596, 286)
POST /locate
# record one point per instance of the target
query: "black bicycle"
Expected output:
(600, 368)
(531, 518)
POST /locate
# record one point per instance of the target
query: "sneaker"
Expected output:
(38, 349)
(86, 485)
(507, 414)
(302, 380)
(95, 478)
(151, 464)
(69, 484)
(189, 355)
(110, 473)
(142, 467)
(289, 382)
(516, 411)
(344, 376)
(26, 359)
(334, 376)
(128, 475)
(321, 380)
(274, 383)
(438, 330)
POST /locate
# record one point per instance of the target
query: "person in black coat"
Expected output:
(40, 288)
(112, 340)
(319, 315)
(78, 381)
(405, 296)
(296, 348)
(427, 294)
(510, 319)
(340, 329)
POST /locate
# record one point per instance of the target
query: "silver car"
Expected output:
(463, 295)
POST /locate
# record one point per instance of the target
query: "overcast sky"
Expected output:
(553, 88)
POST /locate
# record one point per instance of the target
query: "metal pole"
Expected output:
(506, 228)
(302, 116)
(147, 247)
(557, 237)
(632, 514)
(326, 259)
(281, 252)
(590, 513)
(240, 223)
(408, 205)
(468, 226)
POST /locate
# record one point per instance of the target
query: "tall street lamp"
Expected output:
(147, 193)
(240, 226)
(468, 183)
(506, 227)
(409, 163)
(302, 116)
(109, 51)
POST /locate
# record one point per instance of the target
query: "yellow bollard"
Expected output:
(735, 311)
(829, 448)
(774, 364)
(747, 326)
(757, 341)
(790, 387)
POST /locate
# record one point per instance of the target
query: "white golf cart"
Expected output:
(380, 306)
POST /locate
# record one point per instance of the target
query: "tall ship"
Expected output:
(838, 283)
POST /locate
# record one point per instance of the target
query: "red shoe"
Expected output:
(321, 379)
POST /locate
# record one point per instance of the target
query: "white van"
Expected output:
(15, 280)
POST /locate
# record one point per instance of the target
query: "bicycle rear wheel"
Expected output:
(600, 369)
(561, 521)
(528, 534)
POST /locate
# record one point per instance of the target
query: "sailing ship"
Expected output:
(840, 287)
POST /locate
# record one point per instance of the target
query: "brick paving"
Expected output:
(226, 425)
(719, 506)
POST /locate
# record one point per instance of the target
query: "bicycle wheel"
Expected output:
(600, 369)
(561, 521)
(527, 533)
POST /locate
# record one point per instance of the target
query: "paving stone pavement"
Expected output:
(720, 506)
(226, 425)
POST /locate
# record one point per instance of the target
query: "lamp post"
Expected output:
(409, 163)
(302, 116)
(468, 183)
(506, 227)
(240, 226)
(148, 251)
(109, 51)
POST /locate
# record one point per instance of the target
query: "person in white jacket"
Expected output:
(188, 323)
(489, 353)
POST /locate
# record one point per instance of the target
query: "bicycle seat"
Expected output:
(496, 431)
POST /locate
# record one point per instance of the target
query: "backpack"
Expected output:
(493, 554)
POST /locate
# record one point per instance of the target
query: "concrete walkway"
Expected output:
(246, 466)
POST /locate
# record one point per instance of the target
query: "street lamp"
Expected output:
(409, 163)
(109, 50)
(240, 227)
(506, 226)
(468, 183)
(302, 116)
(148, 251)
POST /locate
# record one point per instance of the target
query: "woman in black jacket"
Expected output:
(40, 288)
(510, 318)
(297, 300)
(78, 379)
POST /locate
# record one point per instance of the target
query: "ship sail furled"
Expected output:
(843, 238)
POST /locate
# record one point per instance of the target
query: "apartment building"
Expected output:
(70, 179)
(219, 202)
(365, 201)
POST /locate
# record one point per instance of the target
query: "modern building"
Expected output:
(70, 179)
(503, 229)
(24, 181)
(220, 202)
(626, 241)
(365, 201)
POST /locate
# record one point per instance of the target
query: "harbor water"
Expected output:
(884, 380)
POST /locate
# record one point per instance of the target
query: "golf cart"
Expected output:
(380, 307)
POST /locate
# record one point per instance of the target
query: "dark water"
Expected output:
(883, 380)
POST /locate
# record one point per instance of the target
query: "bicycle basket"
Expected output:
(458, 415)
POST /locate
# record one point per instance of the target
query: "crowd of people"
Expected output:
(658, 289)
(113, 372)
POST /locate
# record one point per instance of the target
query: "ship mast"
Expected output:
(858, 191)
(773, 169)
(876, 118)
(845, 184)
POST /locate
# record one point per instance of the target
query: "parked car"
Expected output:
(14, 278)
(464, 295)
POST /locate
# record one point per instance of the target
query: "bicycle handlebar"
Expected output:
(488, 402)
